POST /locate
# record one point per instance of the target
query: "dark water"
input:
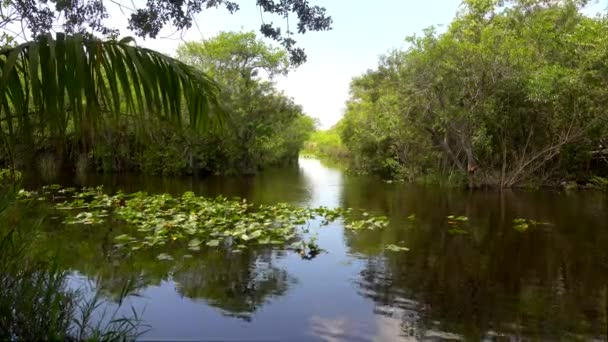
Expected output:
(549, 282)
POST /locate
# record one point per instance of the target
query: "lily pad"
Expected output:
(395, 248)
(213, 243)
(164, 257)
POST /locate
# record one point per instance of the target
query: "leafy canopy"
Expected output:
(89, 16)
(266, 127)
(240, 52)
(513, 91)
(55, 85)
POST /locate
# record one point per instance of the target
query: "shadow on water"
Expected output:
(489, 279)
(482, 278)
(274, 185)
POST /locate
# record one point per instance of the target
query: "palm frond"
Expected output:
(52, 86)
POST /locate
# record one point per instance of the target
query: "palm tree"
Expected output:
(52, 87)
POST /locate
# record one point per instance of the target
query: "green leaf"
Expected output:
(164, 257)
(395, 248)
(194, 243)
(213, 243)
(123, 238)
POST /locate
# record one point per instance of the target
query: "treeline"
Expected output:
(238, 122)
(264, 127)
(514, 93)
(326, 144)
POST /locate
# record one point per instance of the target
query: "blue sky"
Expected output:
(362, 31)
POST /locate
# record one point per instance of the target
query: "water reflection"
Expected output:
(287, 184)
(238, 284)
(492, 281)
(548, 282)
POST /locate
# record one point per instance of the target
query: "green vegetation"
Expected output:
(80, 104)
(514, 93)
(63, 98)
(265, 127)
(195, 222)
(36, 302)
(223, 278)
(149, 18)
(326, 144)
(508, 96)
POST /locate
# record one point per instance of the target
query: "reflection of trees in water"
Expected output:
(285, 184)
(237, 283)
(548, 282)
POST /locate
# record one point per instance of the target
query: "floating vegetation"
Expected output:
(396, 248)
(198, 222)
(452, 219)
(456, 224)
(307, 250)
(522, 224)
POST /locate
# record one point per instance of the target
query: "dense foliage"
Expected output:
(153, 221)
(513, 93)
(326, 143)
(265, 127)
(63, 98)
(111, 106)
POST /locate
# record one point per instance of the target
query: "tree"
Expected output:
(265, 126)
(231, 54)
(88, 16)
(507, 95)
(52, 87)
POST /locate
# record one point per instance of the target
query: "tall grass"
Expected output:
(36, 302)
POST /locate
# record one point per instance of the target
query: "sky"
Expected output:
(362, 31)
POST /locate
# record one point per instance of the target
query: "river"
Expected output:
(479, 278)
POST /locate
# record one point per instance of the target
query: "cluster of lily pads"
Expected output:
(522, 224)
(456, 224)
(197, 221)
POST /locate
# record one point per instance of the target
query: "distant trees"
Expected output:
(512, 92)
(106, 103)
(265, 126)
(326, 144)
(113, 106)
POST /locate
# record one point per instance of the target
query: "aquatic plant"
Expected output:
(36, 302)
(456, 224)
(522, 224)
(154, 220)
(396, 248)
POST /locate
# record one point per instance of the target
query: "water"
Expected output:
(484, 279)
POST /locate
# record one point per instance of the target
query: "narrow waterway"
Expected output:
(480, 277)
